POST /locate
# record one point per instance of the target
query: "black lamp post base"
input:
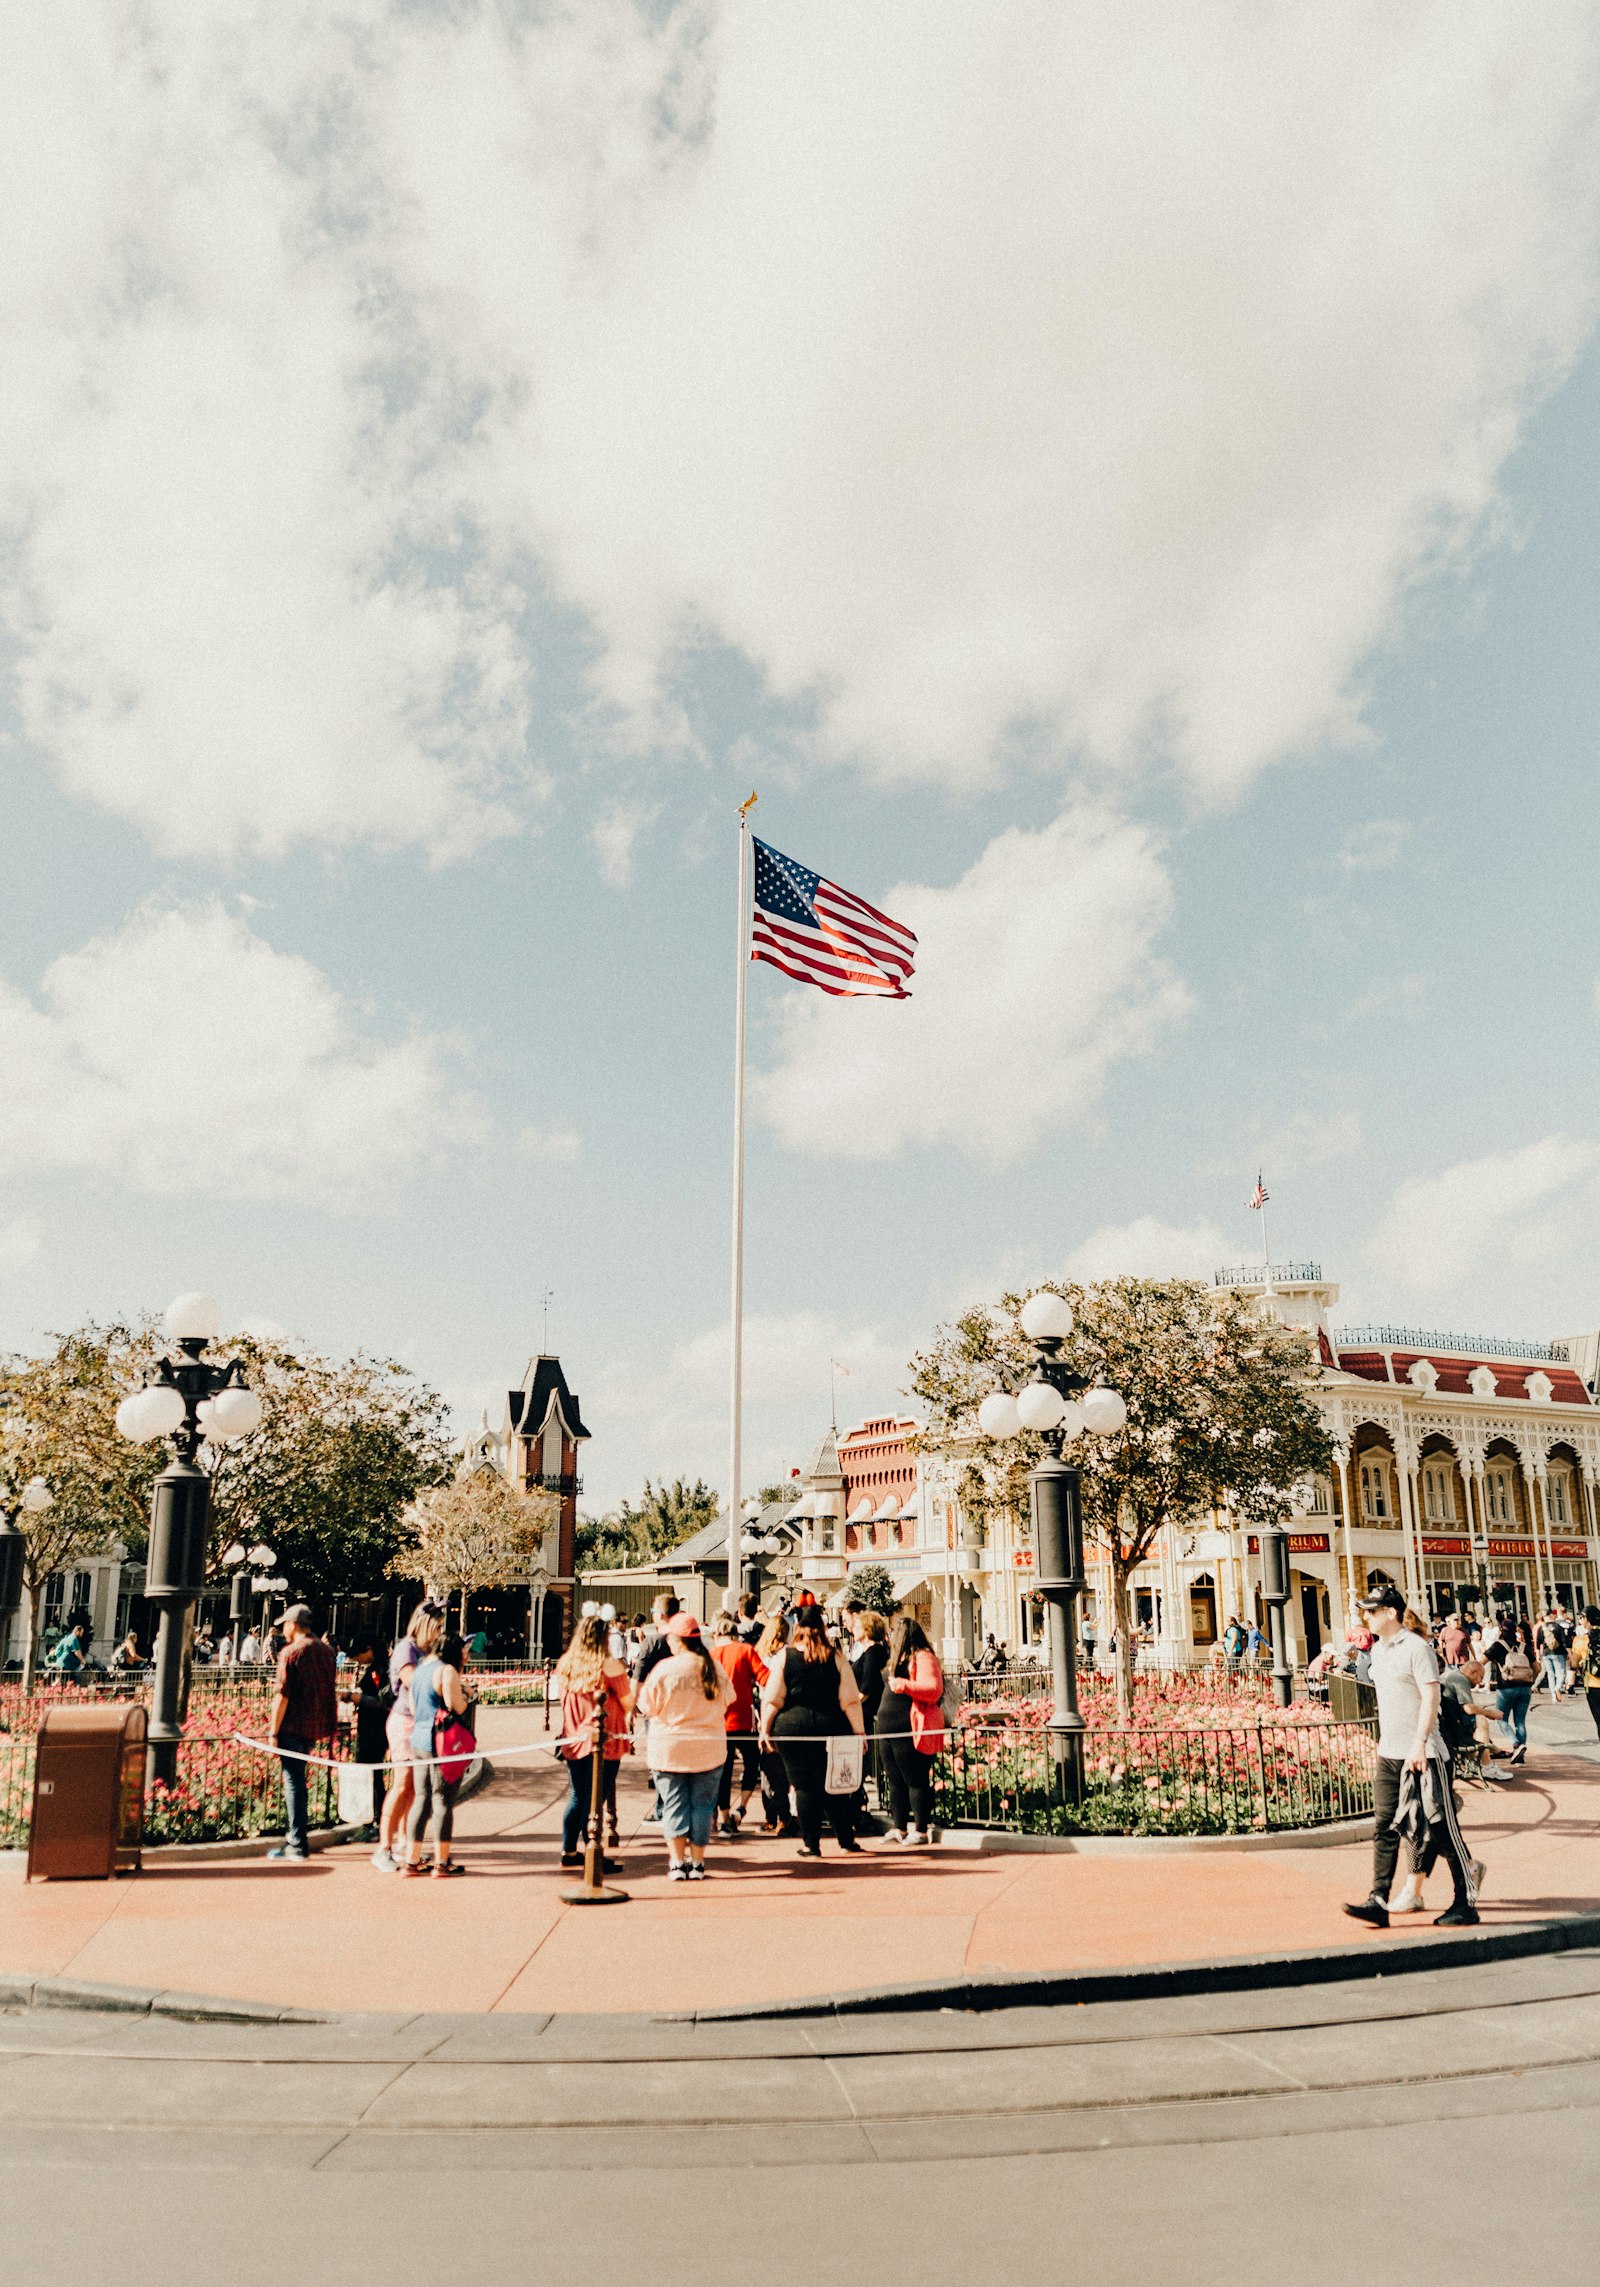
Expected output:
(599, 1896)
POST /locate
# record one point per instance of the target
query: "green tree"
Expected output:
(478, 1531)
(1220, 1410)
(640, 1532)
(873, 1585)
(58, 1414)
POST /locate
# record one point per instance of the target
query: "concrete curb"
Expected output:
(135, 2001)
(995, 1839)
(1027, 1989)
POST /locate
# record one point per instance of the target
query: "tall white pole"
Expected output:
(736, 1314)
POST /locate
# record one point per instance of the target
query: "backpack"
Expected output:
(1457, 1727)
(1516, 1666)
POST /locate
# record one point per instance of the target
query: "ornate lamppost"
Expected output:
(191, 1401)
(1274, 1540)
(753, 1546)
(1049, 1403)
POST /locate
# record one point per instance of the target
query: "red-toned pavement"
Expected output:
(336, 1934)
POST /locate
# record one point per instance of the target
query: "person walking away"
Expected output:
(869, 1658)
(910, 1731)
(304, 1717)
(1412, 1759)
(1513, 1677)
(1553, 1654)
(367, 1681)
(776, 1810)
(438, 1691)
(810, 1697)
(751, 1622)
(424, 1634)
(657, 1647)
(684, 1701)
(587, 1667)
(746, 1672)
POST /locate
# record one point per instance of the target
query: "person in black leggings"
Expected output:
(907, 1771)
(810, 1697)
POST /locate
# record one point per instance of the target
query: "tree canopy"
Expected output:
(1220, 1411)
(639, 1532)
(476, 1532)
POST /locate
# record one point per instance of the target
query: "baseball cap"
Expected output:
(682, 1624)
(1383, 1600)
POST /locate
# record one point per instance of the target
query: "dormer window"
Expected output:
(1540, 1389)
(1482, 1382)
(1423, 1375)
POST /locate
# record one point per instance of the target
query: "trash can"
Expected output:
(88, 1792)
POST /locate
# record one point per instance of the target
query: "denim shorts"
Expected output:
(689, 1802)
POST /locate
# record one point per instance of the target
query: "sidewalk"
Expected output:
(335, 1934)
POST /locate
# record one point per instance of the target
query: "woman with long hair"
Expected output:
(588, 1669)
(423, 1636)
(777, 1815)
(810, 1697)
(437, 1690)
(910, 1731)
(684, 1699)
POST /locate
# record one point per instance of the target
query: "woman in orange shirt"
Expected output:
(585, 1667)
(746, 1672)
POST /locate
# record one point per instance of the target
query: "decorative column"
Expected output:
(1531, 1504)
(1341, 1454)
(1416, 1595)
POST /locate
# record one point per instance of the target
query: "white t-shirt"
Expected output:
(1402, 1667)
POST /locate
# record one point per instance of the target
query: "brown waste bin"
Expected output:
(88, 1792)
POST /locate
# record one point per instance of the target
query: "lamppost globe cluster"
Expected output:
(1060, 1405)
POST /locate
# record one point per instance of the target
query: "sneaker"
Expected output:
(917, 1838)
(284, 1850)
(653, 1818)
(572, 1858)
(1409, 1900)
(1480, 1875)
(1456, 1918)
(384, 1860)
(1518, 1754)
(694, 1872)
(677, 1873)
(895, 1834)
(1371, 1910)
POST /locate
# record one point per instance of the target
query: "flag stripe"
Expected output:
(823, 935)
(823, 958)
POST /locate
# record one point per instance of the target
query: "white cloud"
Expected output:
(1035, 972)
(20, 1242)
(1149, 1248)
(1511, 1208)
(1309, 1139)
(615, 834)
(557, 1147)
(182, 1053)
(1375, 846)
(671, 1416)
(1104, 372)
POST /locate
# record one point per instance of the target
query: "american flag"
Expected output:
(1259, 1197)
(823, 935)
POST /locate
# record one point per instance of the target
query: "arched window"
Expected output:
(1558, 1496)
(1374, 1489)
(1438, 1493)
(1498, 1494)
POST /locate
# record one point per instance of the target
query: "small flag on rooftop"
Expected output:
(820, 934)
(1259, 1197)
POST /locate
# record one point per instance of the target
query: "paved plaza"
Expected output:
(334, 1934)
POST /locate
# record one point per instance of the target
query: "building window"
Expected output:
(1374, 1489)
(1497, 1493)
(1556, 1496)
(1438, 1494)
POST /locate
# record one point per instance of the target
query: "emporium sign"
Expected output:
(1300, 1544)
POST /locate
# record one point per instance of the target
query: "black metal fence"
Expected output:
(1255, 1778)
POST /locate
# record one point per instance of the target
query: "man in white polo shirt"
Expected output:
(1406, 1675)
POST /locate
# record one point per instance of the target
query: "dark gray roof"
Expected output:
(531, 1403)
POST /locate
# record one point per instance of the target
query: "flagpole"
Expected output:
(736, 1328)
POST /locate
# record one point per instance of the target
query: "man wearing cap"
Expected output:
(1406, 1675)
(304, 1715)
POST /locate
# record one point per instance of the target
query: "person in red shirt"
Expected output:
(746, 1672)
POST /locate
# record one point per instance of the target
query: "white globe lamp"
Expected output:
(193, 1318)
(998, 1415)
(1104, 1413)
(1046, 1317)
(1040, 1406)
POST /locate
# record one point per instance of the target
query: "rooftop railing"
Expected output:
(1269, 1274)
(1426, 1339)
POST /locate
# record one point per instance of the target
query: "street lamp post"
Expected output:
(1049, 1404)
(1274, 1541)
(191, 1401)
(592, 1890)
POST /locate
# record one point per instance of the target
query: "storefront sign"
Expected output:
(1300, 1544)
(1511, 1548)
(1022, 1558)
(1444, 1548)
(1569, 1548)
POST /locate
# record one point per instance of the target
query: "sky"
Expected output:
(1121, 486)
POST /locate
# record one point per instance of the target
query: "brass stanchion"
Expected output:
(592, 1890)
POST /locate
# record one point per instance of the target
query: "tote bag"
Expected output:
(847, 1763)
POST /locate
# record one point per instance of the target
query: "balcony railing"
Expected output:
(1265, 1274)
(1421, 1338)
(548, 1483)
